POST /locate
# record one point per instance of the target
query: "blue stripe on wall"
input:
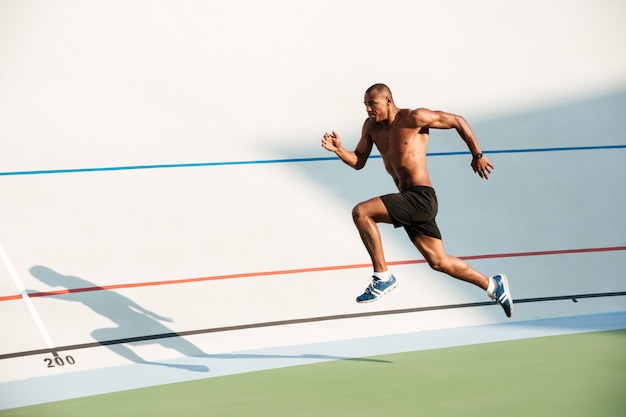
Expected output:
(289, 160)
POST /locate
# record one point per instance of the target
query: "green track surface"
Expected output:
(572, 375)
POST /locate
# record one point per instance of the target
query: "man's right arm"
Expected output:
(355, 159)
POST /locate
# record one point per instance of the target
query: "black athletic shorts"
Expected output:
(414, 209)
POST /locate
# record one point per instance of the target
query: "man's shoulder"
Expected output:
(420, 116)
(418, 111)
(369, 125)
(412, 117)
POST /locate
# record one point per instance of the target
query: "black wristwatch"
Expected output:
(478, 156)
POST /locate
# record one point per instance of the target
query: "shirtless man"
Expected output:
(401, 136)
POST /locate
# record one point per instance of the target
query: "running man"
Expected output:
(401, 136)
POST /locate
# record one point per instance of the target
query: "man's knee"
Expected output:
(371, 210)
(359, 212)
(438, 263)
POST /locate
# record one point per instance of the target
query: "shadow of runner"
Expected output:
(137, 326)
(131, 319)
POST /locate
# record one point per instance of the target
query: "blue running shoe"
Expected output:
(502, 294)
(377, 289)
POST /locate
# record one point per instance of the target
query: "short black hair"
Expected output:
(380, 87)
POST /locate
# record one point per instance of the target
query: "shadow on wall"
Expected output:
(518, 180)
(131, 319)
(588, 122)
(591, 122)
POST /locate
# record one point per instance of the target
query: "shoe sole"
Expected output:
(505, 282)
(387, 291)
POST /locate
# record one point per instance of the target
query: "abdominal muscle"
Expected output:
(407, 162)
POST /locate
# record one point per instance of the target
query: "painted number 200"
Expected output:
(59, 361)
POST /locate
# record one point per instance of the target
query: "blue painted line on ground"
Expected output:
(288, 160)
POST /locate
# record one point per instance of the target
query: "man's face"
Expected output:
(376, 105)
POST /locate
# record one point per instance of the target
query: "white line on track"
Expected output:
(29, 304)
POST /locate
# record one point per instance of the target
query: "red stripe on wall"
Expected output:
(305, 270)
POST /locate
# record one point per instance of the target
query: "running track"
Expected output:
(54, 350)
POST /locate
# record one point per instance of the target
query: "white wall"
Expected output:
(98, 83)
(118, 83)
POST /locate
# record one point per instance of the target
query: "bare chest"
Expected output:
(395, 141)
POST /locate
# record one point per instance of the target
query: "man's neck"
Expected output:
(393, 114)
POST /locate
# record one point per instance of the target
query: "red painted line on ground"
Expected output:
(305, 270)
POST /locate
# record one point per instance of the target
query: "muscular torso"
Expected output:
(402, 146)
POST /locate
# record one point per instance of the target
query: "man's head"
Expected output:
(379, 102)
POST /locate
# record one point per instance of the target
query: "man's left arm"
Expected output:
(442, 120)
